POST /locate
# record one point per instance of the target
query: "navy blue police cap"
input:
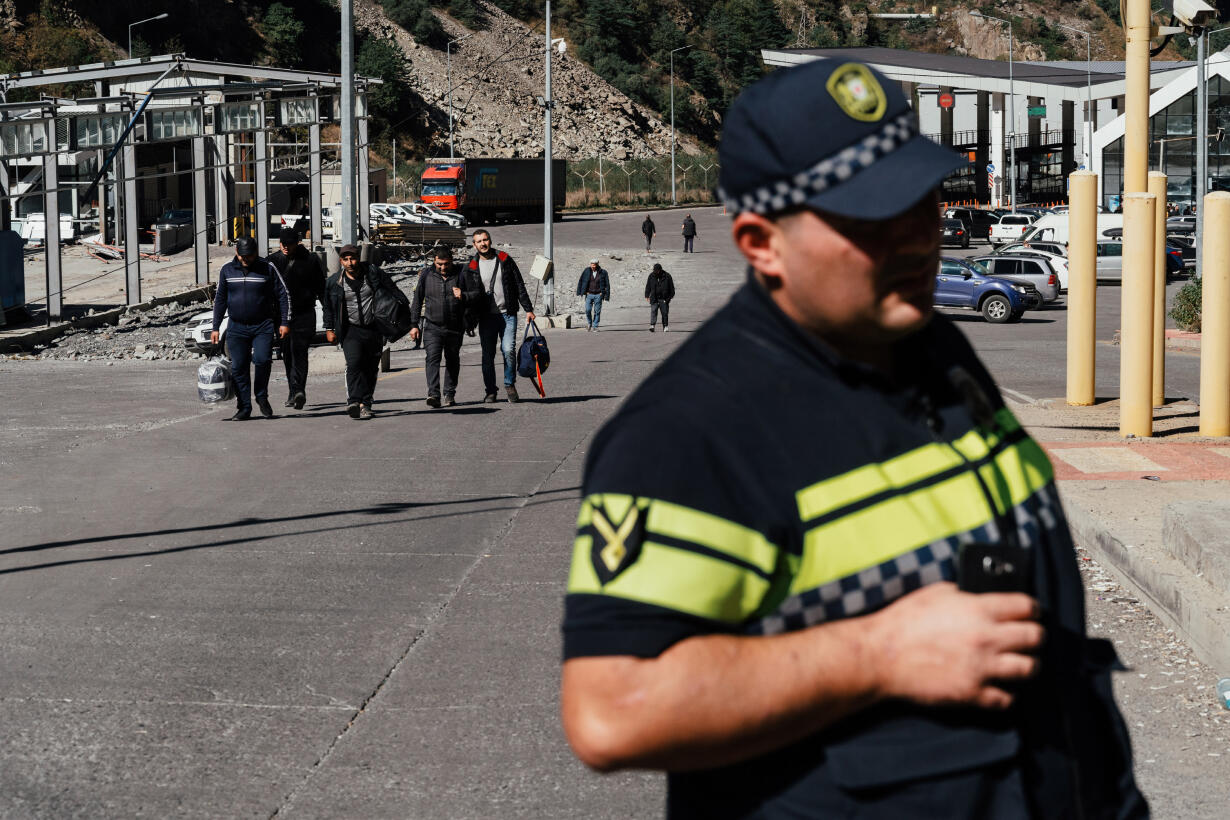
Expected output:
(831, 135)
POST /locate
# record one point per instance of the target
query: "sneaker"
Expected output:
(353, 409)
(595, 328)
(290, 401)
(490, 398)
(266, 410)
(433, 401)
(651, 328)
(365, 412)
(666, 330)
(449, 400)
(511, 392)
(589, 329)
(299, 400)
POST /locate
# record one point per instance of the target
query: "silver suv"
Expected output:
(1020, 267)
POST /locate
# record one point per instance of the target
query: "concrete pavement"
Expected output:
(317, 617)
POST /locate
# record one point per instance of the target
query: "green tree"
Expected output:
(283, 33)
(387, 103)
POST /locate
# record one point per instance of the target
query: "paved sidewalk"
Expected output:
(1153, 511)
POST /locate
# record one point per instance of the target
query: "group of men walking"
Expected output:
(649, 230)
(595, 286)
(278, 295)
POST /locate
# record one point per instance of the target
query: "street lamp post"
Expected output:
(673, 50)
(1011, 100)
(139, 22)
(448, 56)
(548, 209)
(1088, 88)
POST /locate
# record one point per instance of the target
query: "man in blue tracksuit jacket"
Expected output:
(252, 292)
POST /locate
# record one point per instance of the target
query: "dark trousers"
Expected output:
(250, 344)
(687, 244)
(438, 341)
(648, 242)
(295, 352)
(665, 307)
(362, 347)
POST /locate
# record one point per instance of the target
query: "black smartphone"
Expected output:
(983, 567)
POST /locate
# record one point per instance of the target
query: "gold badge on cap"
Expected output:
(857, 92)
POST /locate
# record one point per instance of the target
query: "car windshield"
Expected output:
(440, 189)
(952, 223)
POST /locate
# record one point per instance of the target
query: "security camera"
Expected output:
(1194, 13)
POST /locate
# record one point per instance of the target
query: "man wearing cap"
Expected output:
(595, 286)
(305, 283)
(251, 292)
(350, 321)
(762, 600)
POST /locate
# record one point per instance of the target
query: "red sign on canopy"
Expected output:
(945, 100)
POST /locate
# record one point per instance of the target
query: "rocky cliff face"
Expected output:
(498, 72)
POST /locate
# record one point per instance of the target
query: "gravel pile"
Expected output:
(149, 335)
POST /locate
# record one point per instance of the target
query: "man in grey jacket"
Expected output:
(440, 300)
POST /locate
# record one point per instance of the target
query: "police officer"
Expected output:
(762, 600)
(305, 283)
(251, 291)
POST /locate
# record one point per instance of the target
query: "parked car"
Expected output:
(426, 211)
(1113, 253)
(1058, 261)
(961, 283)
(1055, 248)
(196, 334)
(1019, 267)
(977, 221)
(1186, 245)
(954, 232)
(1181, 224)
(1010, 228)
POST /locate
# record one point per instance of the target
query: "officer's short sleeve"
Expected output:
(663, 550)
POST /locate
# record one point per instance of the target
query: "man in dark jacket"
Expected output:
(439, 303)
(305, 283)
(689, 233)
(251, 291)
(648, 229)
(659, 290)
(350, 321)
(595, 286)
(503, 289)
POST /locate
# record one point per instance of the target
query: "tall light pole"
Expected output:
(139, 22)
(348, 233)
(448, 55)
(673, 50)
(1088, 88)
(1011, 100)
(548, 206)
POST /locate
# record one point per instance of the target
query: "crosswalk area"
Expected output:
(1116, 460)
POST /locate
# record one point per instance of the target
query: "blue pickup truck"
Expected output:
(961, 283)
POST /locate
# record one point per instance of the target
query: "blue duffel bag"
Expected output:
(534, 358)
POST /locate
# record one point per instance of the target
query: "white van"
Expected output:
(1054, 227)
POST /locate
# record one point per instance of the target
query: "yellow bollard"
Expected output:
(1082, 286)
(1215, 318)
(1157, 187)
(1135, 337)
(1138, 26)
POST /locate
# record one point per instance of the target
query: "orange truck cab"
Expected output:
(443, 184)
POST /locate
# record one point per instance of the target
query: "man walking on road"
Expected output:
(649, 230)
(595, 286)
(502, 290)
(350, 321)
(689, 233)
(251, 291)
(659, 290)
(439, 302)
(305, 283)
(761, 600)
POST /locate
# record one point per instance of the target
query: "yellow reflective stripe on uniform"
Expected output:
(906, 522)
(676, 579)
(726, 537)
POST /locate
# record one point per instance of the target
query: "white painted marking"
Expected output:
(1107, 460)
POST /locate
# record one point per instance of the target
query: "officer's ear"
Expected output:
(760, 240)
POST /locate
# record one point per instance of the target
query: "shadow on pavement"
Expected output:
(569, 399)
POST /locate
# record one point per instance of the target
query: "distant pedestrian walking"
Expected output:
(350, 320)
(251, 292)
(439, 303)
(503, 289)
(595, 286)
(689, 233)
(659, 290)
(304, 278)
(649, 230)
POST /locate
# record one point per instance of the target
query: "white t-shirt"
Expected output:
(487, 269)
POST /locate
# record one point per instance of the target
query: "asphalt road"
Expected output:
(317, 617)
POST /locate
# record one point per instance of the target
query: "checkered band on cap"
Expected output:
(828, 173)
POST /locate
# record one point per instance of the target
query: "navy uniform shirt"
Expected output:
(757, 484)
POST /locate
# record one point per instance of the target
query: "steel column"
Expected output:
(51, 216)
(200, 221)
(261, 142)
(318, 236)
(362, 184)
(132, 235)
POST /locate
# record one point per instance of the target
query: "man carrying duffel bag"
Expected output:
(355, 318)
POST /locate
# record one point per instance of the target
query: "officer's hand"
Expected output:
(939, 645)
(213, 337)
(456, 293)
(529, 316)
(283, 332)
(414, 333)
(330, 337)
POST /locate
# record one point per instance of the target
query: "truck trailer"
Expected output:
(486, 190)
